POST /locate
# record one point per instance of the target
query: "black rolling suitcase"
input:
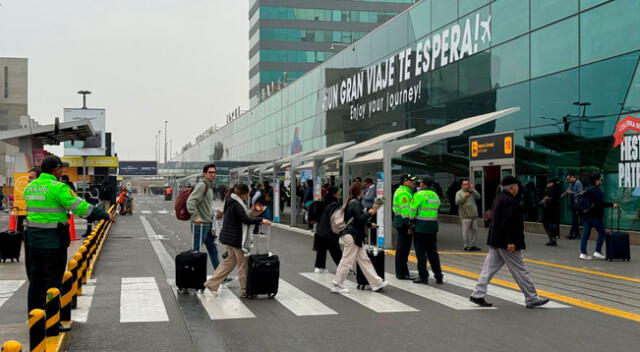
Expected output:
(617, 243)
(264, 268)
(377, 259)
(191, 270)
(10, 246)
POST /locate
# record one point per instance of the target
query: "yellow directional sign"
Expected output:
(92, 161)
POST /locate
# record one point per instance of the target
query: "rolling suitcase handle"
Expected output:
(258, 239)
(619, 211)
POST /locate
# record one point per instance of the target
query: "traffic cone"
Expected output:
(72, 228)
(13, 222)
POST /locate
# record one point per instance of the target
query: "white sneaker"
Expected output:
(599, 255)
(338, 289)
(379, 286)
(319, 270)
(585, 257)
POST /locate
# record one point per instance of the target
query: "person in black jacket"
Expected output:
(326, 239)
(593, 218)
(550, 205)
(506, 245)
(235, 228)
(352, 239)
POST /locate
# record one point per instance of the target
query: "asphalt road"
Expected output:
(135, 306)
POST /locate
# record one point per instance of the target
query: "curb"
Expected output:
(292, 229)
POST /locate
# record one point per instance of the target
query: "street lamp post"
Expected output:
(165, 141)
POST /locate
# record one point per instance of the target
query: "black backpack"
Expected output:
(315, 211)
(583, 202)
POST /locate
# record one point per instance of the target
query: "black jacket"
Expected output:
(507, 224)
(550, 205)
(234, 218)
(324, 226)
(597, 198)
(356, 228)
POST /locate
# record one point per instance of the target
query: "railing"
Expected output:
(45, 326)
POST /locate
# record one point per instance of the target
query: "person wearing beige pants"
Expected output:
(353, 253)
(235, 258)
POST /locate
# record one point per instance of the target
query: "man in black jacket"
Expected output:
(506, 244)
(593, 218)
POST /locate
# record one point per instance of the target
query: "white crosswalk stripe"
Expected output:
(300, 303)
(437, 295)
(225, 306)
(146, 212)
(81, 314)
(8, 288)
(163, 211)
(497, 291)
(377, 302)
(140, 301)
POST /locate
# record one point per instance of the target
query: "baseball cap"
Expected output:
(51, 162)
(509, 180)
(407, 177)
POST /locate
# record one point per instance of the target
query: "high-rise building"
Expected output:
(290, 37)
(13, 104)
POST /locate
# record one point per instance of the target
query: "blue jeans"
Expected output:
(587, 225)
(202, 233)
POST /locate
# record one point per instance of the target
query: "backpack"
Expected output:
(337, 219)
(315, 211)
(181, 202)
(582, 201)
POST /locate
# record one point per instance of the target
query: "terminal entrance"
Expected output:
(491, 158)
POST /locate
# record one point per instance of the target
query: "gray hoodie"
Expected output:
(467, 208)
(199, 204)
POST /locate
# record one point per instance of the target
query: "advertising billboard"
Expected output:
(93, 145)
(138, 168)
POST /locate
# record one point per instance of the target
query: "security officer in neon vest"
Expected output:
(401, 201)
(48, 202)
(424, 214)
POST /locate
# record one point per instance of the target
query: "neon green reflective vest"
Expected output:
(424, 209)
(401, 201)
(48, 203)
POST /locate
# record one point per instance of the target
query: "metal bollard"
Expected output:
(37, 331)
(65, 300)
(11, 346)
(53, 311)
(72, 267)
(83, 266)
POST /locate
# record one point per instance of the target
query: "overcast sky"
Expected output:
(146, 61)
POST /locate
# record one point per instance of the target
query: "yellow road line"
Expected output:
(554, 265)
(554, 296)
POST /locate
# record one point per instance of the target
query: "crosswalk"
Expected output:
(141, 300)
(157, 212)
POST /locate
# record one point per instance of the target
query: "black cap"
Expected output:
(508, 181)
(51, 162)
(407, 177)
(427, 181)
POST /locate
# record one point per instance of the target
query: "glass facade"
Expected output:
(571, 66)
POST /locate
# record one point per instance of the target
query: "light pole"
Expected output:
(157, 145)
(84, 97)
(165, 141)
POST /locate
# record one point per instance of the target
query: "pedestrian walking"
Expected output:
(235, 230)
(200, 206)
(550, 205)
(506, 246)
(424, 213)
(353, 240)
(594, 217)
(401, 202)
(327, 240)
(48, 203)
(575, 187)
(106, 194)
(467, 199)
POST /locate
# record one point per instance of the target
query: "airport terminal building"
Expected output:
(571, 66)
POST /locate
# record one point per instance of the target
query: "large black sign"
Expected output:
(494, 146)
(138, 168)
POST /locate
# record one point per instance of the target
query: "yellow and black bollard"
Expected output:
(11, 346)
(37, 335)
(53, 311)
(72, 267)
(65, 301)
(78, 258)
(83, 265)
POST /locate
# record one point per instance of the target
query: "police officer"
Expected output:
(48, 202)
(401, 201)
(424, 213)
